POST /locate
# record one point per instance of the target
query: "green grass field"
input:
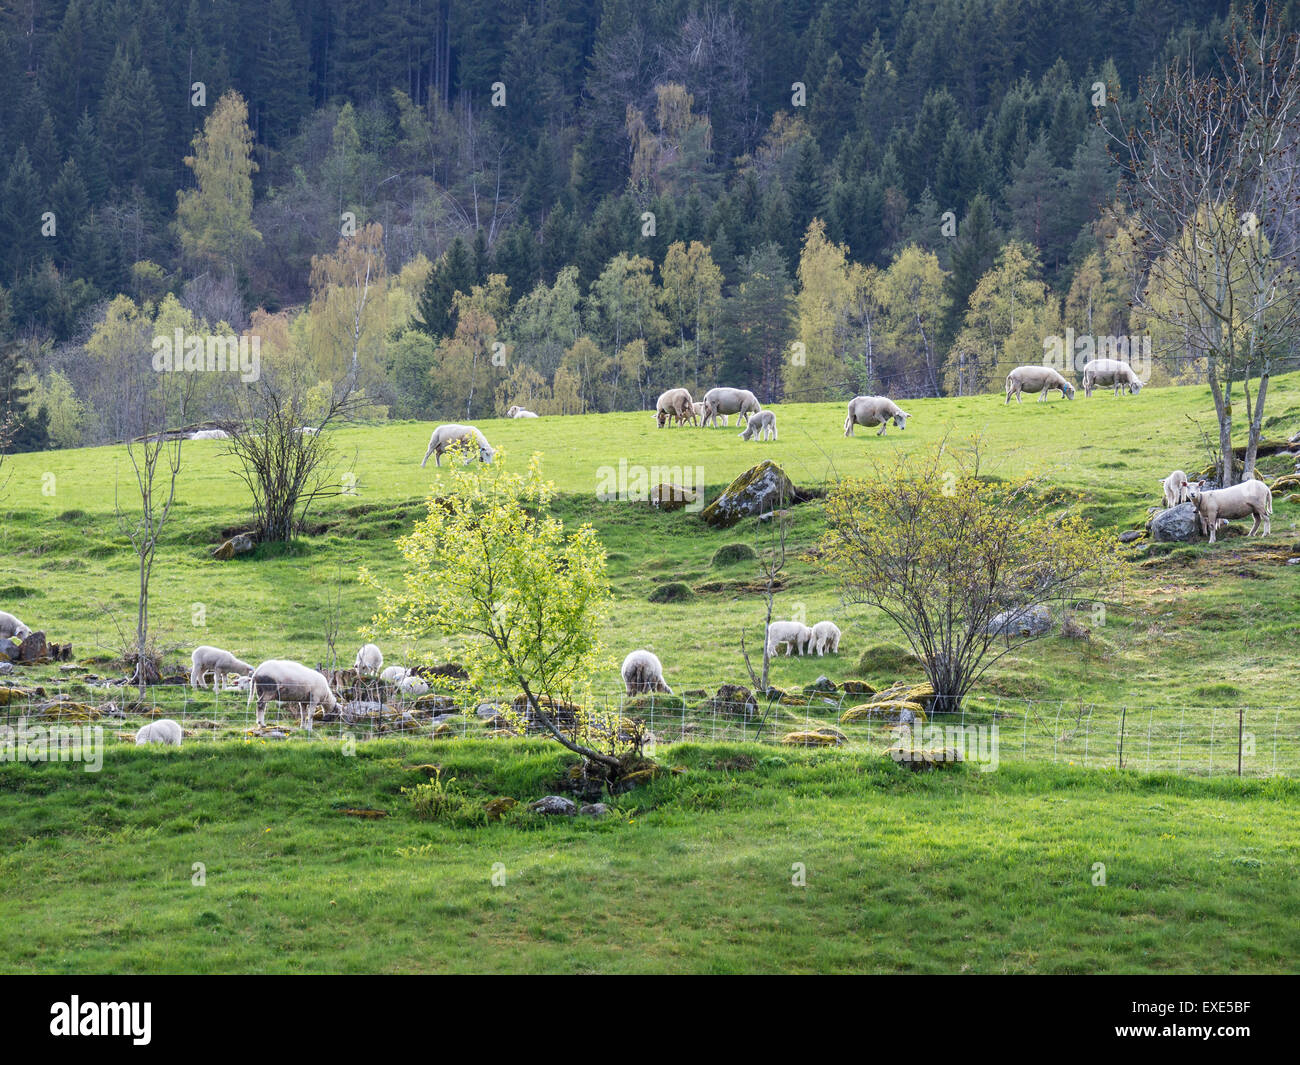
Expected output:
(950, 871)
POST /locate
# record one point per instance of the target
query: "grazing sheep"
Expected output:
(825, 637)
(1247, 498)
(761, 426)
(164, 731)
(412, 685)
(281, 681)
(214, 660)
(643, 672)
(306, 430)
(210, 434)
(394, 674)
(874, 410)
(675, 403)
(794, 635)
(1110, 372)
(724, 401)
(1040, 379)
(370, 659)
(11, 627)
(447, 436)
(1176, 488)
(519, 412)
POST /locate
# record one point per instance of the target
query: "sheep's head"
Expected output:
(1068, 390)
(900, 419)
(22, 631)
(1134, 387)
(1194, 497)
(486, 453)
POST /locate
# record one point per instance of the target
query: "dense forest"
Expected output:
(565, 205)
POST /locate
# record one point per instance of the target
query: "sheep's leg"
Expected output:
(1255, 527)
(883, 426)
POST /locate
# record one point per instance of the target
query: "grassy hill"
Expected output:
(1190, 622)
(951, 871)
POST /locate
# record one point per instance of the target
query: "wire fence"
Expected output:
(1243, 741)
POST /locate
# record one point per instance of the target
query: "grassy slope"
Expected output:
(952, 871)
(66, 568)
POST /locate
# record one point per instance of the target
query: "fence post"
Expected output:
(1123, 716)
(1241, 724)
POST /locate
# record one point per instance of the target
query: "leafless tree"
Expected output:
(771, 568)
(1213, 174)
(282, 444)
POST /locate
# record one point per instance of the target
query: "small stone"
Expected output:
(556, 805)
(1128, 536)
(593, 809)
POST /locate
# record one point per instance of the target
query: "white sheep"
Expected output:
(1040, 379)
(724, 401)
(11, 627)
(306, 430)
(761, 426)
(447, 436)
(278, 680)
(164, 731)
(643, 672)
(214, 660)
(874, 410)
(394, 674)
(1110, 372)
(370, 659)
(794, 635)
(675, 403)
(519, 412)
(1176, 488)
(210, 434)
(412, 685)
(1251, 498)
(825, 637)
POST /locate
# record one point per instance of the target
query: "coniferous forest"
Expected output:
(563, 205)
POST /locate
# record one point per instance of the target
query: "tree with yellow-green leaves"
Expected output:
(347, 319)
(522, 599)
(829, 333)
(469, 365)
(1008, 317)
(215, 219)
(691, 296)
(911, 293)
(954, 559)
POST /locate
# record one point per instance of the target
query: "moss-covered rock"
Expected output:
(673, 592)
(883, 708)
(886, 658)
(730, 554)
(761, 488)
(825, 736)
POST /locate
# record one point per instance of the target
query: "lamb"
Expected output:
(394, 674)
(12, 628)
(675, 403)
(643, 672)
(825, 637)
(448, 436)
(164, 731)
(1110, 372)
(794, 635)
(210, 434)
(1247, 498)
(412, 684)
(214, 660)
(874, 410)
(519, 412)
(370, 659)
(281, 681)
(761, 426)
(724, 401)
(1176, 488)
(1040, 379)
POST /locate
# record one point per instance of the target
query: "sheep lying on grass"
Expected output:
(210, 434)
(281, 681)
(643, 672)
(1176, 488)
(448, 436)
(1249, 498)
(519, 412)
(164, 731)
(12, 628)
(761, 425)
(412, 685)
(793, 635)
(394, 674)
(213, 661)
(369, 660)
(825, 637)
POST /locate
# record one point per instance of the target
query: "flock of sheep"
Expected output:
(1215, 506)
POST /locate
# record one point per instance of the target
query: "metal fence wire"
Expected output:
(1200, 740)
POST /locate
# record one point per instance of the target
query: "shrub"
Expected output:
(673, 592)
(730, 554)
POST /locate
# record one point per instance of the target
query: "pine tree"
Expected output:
(453, 273)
